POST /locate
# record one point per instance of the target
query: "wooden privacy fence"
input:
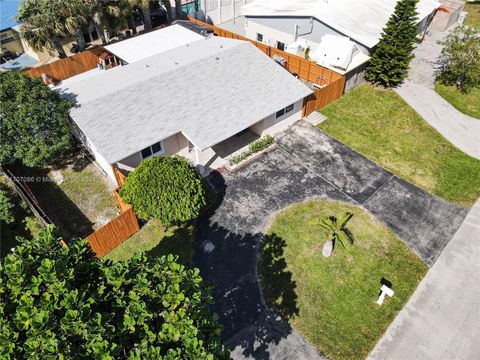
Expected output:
(109, 236)
(323, 97)
(65, 68)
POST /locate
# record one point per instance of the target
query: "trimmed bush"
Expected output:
(167, 189)
(254, 147)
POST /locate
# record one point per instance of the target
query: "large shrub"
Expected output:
(6, 208)
(35, 121)
(460, 59)
(63, 303)
(165, 188)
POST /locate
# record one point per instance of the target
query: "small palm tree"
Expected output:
(337, 231)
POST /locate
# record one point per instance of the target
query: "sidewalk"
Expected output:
(418, 91)
(441, 319)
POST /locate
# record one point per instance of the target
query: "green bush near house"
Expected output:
(331, 301)
(380, 125)
(62, 302)
(167, 189)
(253, 148)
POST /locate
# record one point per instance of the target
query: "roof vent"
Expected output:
(217, 58)
(176, 63)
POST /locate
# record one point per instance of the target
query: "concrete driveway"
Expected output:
(306, 164)
(418, 91)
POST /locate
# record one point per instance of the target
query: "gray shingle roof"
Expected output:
(209, 90)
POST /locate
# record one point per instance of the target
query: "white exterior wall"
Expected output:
(283, 29)
(173, 145)
(271, 125)
(220, 11)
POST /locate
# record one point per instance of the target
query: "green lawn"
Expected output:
(25, 224)
(331, 301)
(381, 126)
(473, 17)
(155, 241)
(469, 104)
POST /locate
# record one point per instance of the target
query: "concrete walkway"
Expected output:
(441, 320)
(418, 91)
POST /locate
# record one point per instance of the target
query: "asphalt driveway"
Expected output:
(306, 164)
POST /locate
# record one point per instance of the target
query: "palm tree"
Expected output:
(100, 11)
(45, 22)
(144, 6)
(337, 231)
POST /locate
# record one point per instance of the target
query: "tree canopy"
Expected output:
(34, 120)
(165, 188)
(391, 58)
(6, 208)
(59, 302)
(460, 59)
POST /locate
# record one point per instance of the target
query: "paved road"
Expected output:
(306, 164)
(418, 91)
(441, 320)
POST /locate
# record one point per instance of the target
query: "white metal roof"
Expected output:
(362, 20)
(209, 90)
(153, 43)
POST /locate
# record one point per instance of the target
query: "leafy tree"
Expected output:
(58, 302)
(391, 59)
(6, 208)
(165, 188)
(101, 13)
(34, 120)
(45, 22)
(460, 59)
(337, 232)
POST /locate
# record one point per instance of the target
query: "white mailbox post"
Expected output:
(384, 290)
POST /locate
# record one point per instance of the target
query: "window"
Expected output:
(284, 111)
(280, 45)
(259, 37)
(155, 149)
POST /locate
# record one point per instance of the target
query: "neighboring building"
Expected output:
(152, 43)
(340, 34)
(196, 101)
(281, 22)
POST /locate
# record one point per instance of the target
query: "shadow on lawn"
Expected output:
(179, 244)
(63, 212)
(277, 283)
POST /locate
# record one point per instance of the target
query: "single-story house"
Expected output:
(194, 101)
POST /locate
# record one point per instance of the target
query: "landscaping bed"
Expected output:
(331, 301)
(467, 103)
(155, 241)
(74, 193)
(380, 125)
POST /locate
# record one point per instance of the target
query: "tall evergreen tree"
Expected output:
(390, 61)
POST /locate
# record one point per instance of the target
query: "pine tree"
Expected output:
(390, 61)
